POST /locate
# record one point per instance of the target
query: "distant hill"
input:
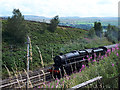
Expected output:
(77, 22)
(36, 18)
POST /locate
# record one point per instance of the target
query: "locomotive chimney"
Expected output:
(61, 53)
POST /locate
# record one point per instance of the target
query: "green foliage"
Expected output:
(112, 33)
(91, 33)
(15, 30)
(98, 29)
(53, 24)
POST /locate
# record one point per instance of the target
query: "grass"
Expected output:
(108, 66)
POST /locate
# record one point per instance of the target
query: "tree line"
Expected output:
(112, 33)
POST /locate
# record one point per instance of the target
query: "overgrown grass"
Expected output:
(106, 66)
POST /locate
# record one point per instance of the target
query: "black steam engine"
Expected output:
(70, 62)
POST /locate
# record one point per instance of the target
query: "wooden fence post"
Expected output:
(28, 57)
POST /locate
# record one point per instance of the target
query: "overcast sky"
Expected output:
(63, 8)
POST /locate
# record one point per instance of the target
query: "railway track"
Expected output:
(35, 78)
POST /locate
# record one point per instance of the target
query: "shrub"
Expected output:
(15, 28)
(53, 24)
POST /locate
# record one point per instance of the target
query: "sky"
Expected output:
(63, 8)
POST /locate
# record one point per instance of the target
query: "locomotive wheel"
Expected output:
(57, 76)
(79, 65)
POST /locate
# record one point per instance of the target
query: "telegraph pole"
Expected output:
(28, 57)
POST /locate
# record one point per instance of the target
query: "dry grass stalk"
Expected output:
(15, 67)
(16, 78)
(39, 77)
(18, 72)
(10, 76)
(64, 70)
(30, 50)
(21, 78)
(60, 72)
(53, 73)
(8, 71)
(40, 56)
(52, 54)
(44, 75)
(28, 79)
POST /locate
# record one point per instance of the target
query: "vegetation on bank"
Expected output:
(51, 43)
(106, 66)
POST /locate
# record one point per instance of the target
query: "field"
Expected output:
(88, 22)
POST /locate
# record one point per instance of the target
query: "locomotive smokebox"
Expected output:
(58, 59)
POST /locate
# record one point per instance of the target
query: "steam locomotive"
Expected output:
(72, 61)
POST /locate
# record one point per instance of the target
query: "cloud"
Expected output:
(50, 8)
(104, 2)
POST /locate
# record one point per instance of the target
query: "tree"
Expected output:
(112, 33)
(98, 29)
(53, 23)
(91, 33)
(16, 28)
(43, 27)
